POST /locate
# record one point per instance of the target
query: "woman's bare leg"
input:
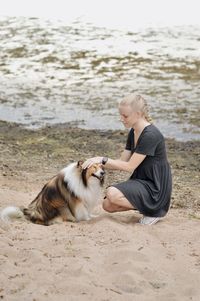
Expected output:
(115, 201)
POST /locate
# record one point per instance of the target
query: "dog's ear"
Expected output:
(79, 163)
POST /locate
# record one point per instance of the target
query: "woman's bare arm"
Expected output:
(131, 163)
(125, 156)
(129, 166)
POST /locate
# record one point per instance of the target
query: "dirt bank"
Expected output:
(29, 157)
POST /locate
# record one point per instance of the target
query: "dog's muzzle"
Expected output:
(99, 177)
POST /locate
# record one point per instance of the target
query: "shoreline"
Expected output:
(75, 125)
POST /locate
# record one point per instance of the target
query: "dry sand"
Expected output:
(108, 258)
(111, 257)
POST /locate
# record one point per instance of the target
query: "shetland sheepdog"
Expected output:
(72, 195)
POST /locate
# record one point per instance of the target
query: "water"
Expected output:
(56, 72)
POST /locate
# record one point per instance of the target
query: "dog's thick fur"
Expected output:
(71, 195)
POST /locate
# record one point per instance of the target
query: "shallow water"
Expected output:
(51, 73)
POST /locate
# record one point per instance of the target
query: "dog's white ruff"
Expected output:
(11, 212)
(90, 194)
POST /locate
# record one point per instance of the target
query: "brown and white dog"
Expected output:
(72, 195)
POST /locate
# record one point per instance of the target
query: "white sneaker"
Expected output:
(148, 220)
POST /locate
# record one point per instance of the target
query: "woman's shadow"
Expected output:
(124, 218)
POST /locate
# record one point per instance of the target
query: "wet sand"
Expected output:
(111, 257)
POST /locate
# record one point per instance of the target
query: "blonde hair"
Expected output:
(138, 103)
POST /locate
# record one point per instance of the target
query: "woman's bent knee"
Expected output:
(116, 198)
(112, 193)
(107, 206)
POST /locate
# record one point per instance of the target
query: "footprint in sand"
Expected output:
(128, 283)
(124, 263)
(123, 260)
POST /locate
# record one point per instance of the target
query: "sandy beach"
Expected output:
(111, 257)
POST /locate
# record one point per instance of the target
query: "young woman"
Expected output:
(149, 188)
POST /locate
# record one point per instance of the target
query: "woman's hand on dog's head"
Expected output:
(89, 162)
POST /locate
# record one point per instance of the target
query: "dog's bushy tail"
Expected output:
(10, 213)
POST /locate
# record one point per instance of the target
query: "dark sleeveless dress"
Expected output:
(149, 187)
